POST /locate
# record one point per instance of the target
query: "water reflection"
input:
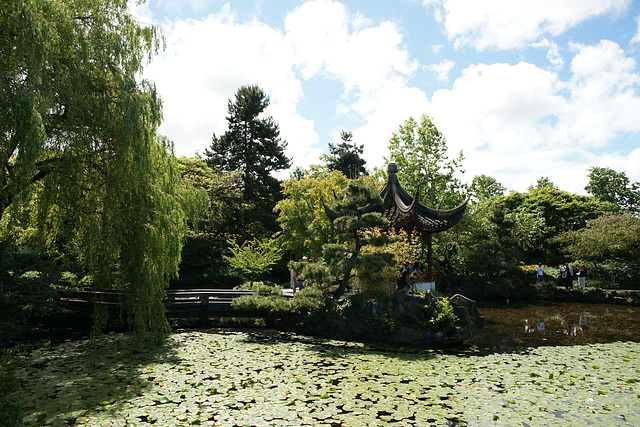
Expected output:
(514, 327)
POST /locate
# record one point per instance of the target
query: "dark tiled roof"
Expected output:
(404, 211)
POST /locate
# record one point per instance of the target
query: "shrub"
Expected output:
(443, 313)
(387, 322)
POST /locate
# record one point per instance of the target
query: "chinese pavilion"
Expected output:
(405, 212)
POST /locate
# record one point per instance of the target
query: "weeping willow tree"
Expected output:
(81, 166)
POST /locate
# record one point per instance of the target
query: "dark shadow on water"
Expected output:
(87, 375)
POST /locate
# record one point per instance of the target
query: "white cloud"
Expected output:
(605, 95)
(206, 61)
(329, 41)
(499, 112)
(509, 24)
(553, 52)
(519, 122)
(369, 60)
(442, 69)
(636, 38)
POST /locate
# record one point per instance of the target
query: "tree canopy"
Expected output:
(611, 240)
(543, 212)
(484, 187)
(420, 151)
(305, 227)
(607, 185)
(80, 160)
(353, 226)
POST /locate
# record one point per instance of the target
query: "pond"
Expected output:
(268, 378)
(515, 327)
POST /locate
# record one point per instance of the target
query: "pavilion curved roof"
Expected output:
(404, 211)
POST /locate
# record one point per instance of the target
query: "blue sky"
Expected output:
(524, 88)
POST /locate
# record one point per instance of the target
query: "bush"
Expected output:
(443, 313)
(23, 298)
(500, 288)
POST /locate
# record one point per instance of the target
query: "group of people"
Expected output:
(403, 280)
(566, 274)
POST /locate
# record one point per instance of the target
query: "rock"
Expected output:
(397, 319)
(467, 311)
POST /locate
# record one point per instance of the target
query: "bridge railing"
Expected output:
(185, 300)
(178, 300)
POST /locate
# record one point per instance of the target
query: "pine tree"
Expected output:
(345, 157)
(252, 145)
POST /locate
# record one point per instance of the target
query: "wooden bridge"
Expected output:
(180, 303)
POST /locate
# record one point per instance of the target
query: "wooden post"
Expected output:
(203, 317)
(429, 254)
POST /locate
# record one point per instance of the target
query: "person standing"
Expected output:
(540, 274)
(402, 281)
(567, 276)
(582, 277)
(294, 280)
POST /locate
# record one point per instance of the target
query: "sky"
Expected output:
(526, 89)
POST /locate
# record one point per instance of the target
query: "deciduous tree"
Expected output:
(305, 227)
(548, 212)
(607, 185)
(420, 151)
(80, 160)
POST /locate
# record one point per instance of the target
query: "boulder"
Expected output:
(397, 319)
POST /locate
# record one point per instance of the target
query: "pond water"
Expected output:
(515, 327)
(533, 364)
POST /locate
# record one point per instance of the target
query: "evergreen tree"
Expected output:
(353, 226)
(253, 146)
(345, 157)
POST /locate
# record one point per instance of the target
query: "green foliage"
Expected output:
(607, 185)
(304, 306)
(611, 236)
(305, 226)
(612, 243)
(25, 294)
(420, 152)
(544, 212)
(345, 157)
(387, 322)
(487, 253)
(254, 257)
(484, 187)
(443, 315)
(252, 146)
(81, 166)
(354, 226)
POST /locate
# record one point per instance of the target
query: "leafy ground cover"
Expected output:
(268, 378)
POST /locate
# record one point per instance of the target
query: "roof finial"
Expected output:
(392, 168)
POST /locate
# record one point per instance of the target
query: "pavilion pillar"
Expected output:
(429, 254)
